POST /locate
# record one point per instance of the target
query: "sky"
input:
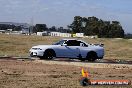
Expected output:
(62, 12)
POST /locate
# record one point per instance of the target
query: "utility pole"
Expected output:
(31, 26)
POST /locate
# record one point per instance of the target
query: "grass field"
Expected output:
(49, 74)
(19, 45)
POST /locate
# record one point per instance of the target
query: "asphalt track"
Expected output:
(107, 61)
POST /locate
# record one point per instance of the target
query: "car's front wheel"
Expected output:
(48, 54)
(91, 56)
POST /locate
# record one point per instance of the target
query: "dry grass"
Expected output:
(19, 45)
(115, 48)
(29, 74)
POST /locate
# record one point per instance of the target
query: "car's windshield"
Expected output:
(59, 42)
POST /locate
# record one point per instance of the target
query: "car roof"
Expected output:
(73, 39)
(69, 39)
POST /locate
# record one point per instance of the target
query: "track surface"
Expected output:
(104, 63)
(112, 61)
(57, 73)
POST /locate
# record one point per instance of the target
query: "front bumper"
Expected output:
(35, 53)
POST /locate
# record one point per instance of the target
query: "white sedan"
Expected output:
(68, 48)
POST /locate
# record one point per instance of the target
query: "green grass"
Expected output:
(19, 45)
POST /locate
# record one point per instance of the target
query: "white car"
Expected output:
(69, 48)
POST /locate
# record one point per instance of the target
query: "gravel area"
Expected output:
(58, 74)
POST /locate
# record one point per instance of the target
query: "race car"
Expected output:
(69, 48)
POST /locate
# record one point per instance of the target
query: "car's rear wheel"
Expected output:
(48, 54)
(91, 56)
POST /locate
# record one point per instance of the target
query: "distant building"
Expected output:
(15, 32)
(44, 33)
(59, 34)
(25, 30)
(24, 26)
(65, 35)
(2, 31)
(54, 33)
(94, 36)
(79, 34)
(9, 30)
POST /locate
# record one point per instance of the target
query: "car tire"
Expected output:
(91, 56)
(49, 54)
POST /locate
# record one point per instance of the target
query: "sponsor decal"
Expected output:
(85, 80)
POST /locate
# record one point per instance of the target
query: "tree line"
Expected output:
(87, 25)
(43, 27)
(8, 26)
(128, 36)
(95, 26)
(35, 29)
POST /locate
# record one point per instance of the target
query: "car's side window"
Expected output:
(73, 43)
(82, 44)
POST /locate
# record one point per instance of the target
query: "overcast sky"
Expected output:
(61, 12)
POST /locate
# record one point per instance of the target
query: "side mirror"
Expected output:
(64, 45)
(81, 44)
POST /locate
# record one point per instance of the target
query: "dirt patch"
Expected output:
(87, 64)
(50, 74)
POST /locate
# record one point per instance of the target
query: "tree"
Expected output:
(116, 30)
(6, 26)
(60, 29)
(76, 25)
(94, 26)
(40, 27)
(17, 28)
(53, 28)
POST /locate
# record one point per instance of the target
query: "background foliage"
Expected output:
(95, 26)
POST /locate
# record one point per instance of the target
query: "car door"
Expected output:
(83, 49)
(72, 48)
(62, 51)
